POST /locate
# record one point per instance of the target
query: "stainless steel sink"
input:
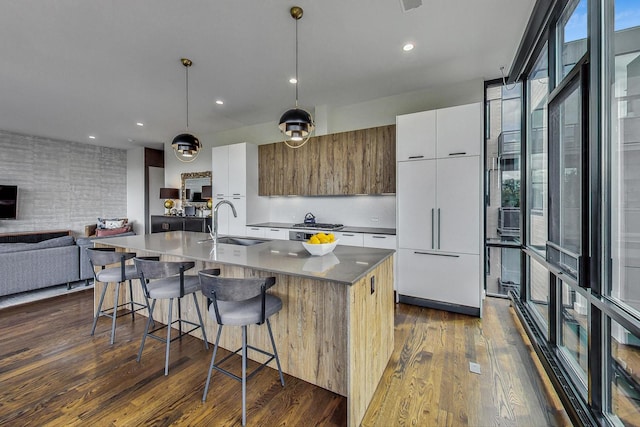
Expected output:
(241, 241)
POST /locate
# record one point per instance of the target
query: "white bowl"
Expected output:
(321, 248)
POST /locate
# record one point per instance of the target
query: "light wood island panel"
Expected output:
(336, 336)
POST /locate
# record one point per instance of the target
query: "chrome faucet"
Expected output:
(214, 235)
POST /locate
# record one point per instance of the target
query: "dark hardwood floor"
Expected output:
(52, 372)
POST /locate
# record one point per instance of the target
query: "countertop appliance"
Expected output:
(304, 235)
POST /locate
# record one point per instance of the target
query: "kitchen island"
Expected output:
(336, 327)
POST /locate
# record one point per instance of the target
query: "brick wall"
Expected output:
(61, 184)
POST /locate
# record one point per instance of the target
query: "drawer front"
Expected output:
(276, 233)
(349, 239)
(449, 278)
(381, 241)
(161, 224)
(254, 232)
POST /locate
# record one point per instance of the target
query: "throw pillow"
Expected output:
(102, 232)
(111, 223)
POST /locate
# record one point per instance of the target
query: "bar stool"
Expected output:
(166, 280)
(240, 302)
(102, 257)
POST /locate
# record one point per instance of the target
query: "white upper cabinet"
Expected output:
(416, 136)
(234, 177)
(237, 170)
(220, 171)
(229, 174)
(459, 130)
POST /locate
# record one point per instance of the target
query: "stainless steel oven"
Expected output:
(301, 235)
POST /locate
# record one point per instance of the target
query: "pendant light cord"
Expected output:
(296, 63)
(187, 84)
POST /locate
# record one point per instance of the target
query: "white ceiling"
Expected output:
(74, 68)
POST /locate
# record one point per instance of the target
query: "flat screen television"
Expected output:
(8, 202)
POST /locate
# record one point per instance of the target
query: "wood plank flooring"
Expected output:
(52, 372)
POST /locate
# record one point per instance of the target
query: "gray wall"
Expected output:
(61, 184)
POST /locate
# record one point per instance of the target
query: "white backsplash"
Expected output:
(355, 211)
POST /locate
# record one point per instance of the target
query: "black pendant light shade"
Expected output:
(296, 124)
(186, 144)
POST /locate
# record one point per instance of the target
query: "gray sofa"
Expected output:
(39, 260)
(29, 266)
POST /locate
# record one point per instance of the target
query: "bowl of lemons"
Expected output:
(320, 244)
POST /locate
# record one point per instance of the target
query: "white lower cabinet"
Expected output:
(450, 278)
(380, 241)
(349, 239)
(276, 233)
(255, 232)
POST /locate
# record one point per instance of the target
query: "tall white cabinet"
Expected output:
(234, 177)
(439, 210)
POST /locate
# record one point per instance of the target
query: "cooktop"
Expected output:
(319, 225)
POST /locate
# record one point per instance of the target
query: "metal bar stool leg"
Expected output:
(146, 300)
(131, 300)
(99, 310)
(146, 330)
(244, 375)
(204, 334)
(275, 352)
(166, 359)
(115, 311)
(213, 358)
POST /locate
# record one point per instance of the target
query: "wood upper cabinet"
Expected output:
(347, 163)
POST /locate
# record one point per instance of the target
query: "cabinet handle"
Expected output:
(236, 198)
(254, 228)
(235, 194)
(379, 237)
(274, 229)
(460, 153)
(416, 157)
(436, 254)
(438, 228)
(348, 235)
(433, 231)
(219, 194)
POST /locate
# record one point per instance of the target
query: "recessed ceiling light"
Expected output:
(130, 140)
(92, 137)
(219, 102)
(407, 47)
(293, 80)
(140, 124)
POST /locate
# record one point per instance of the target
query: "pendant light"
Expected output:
(296, 124)
(186, 146)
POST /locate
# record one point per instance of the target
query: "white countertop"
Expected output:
(346, 264)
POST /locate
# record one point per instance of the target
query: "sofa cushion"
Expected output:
(55, 243)
(51, 243)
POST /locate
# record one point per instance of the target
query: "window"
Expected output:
(624, 148)
(538, 90)
(623, 379)
(572, 36)
(502, 171)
